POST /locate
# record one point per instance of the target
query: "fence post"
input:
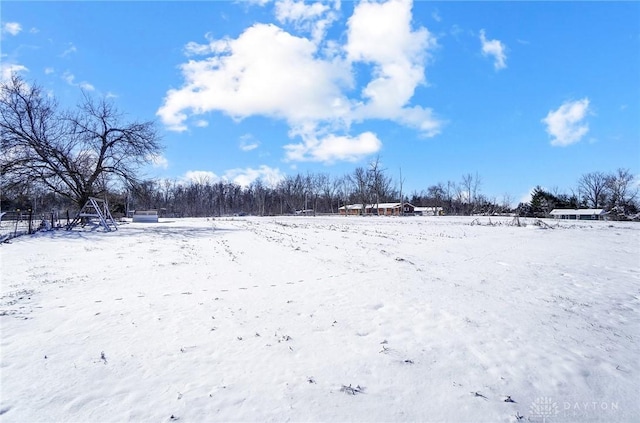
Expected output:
(30, 221)
(18, 217)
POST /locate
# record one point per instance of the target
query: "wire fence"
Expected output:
(17, 223)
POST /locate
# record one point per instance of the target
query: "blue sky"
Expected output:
(521, 93)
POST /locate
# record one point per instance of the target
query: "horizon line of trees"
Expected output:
(56, 159)
(321, 193)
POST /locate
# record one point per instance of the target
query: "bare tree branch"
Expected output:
(75, 154)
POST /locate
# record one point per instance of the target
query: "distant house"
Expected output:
(578, 214)
(428, 211)
(146, 216)
(381, 209)
(350, 210)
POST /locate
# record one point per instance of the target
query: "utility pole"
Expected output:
(401, 196)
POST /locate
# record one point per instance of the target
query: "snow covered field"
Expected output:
(323, 319)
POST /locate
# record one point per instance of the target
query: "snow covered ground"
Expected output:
(323, 319)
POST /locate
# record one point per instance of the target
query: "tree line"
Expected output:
(616, 192)
(54, 159)
(320, 193)
(310, 193)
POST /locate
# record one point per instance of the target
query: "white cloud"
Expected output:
(7, 70)
(258, 2)
(308, 81)
(456, 30)
(86, 86)
(494, 48)
(422, 119)
(194, 49)
(241, 176)
(70, 78)
(299, 11)
(244, 177)
(158, 161)
(245, 146)
(526, 198)
(266, 71)
(12, 28)
(436, 16)
(248, 143)
(69, 50)
(200, 177)
(333, 148)
(381, 34)
(314, 18)
(201, 123)
(49, 71)
(566, 125)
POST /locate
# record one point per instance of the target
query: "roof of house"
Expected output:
(373, 206)
(351, 207)
(428, 208)
(385, 205)
(578, 212)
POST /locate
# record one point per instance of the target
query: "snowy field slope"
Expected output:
(323, 319)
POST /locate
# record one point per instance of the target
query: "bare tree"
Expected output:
(328, 188)
(376, 174)
(469, 190)
(380, 184)
(344, 190)
(507, 201)
(74, 154)
(145, 193)
(401, 183)
(293, 190)
(465, 192)
(315, 184)
(593, 189)
(361, 185)
(436, 195)
(168, 186)
(621, 190)
(259, 192)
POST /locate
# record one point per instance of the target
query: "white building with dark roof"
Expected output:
(381, 209)
(429, 211)
(578, 214)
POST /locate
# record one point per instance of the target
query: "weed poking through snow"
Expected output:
(351, 390)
